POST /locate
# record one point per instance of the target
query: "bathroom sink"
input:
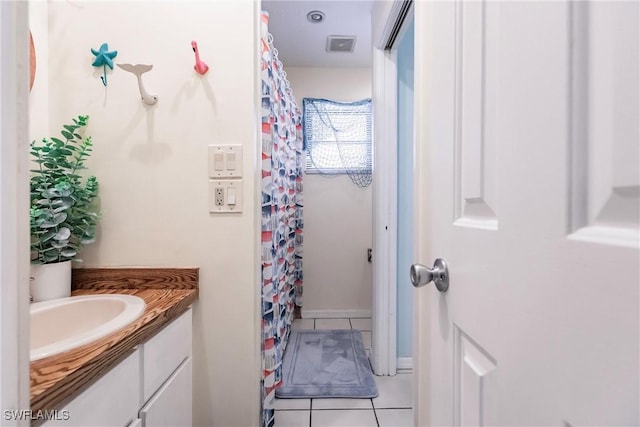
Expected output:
(66, 323)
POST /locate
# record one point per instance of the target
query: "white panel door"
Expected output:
(527, 119)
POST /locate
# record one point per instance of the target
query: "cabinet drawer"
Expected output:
(113, 400)
(171, 405)
(163, 353)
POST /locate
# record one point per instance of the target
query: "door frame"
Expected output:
(384, 339)
(384, 357)
(388, 25)
(14, 222)
(422, 250)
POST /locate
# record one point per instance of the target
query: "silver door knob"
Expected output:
(421, 275)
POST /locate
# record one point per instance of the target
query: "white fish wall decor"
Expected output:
(138, 70)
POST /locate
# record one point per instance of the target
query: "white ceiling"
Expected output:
(301, 43)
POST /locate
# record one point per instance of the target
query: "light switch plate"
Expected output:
(219, 195)
(225, 161)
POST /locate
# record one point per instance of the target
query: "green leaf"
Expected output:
(67, 134)
(61, 244)
(63, 234)
(68, 253)
(51, 192)
(47, 236)
(60, 217)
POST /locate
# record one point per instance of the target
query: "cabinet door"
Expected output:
(111, 401)
(170, 406)
(163, 353)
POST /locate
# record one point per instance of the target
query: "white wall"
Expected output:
(151, 162)
(404, 316)
(337, 213)
(39, 95)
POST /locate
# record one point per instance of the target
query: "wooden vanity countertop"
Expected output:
(167, 292)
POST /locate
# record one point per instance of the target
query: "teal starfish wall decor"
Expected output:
(104, 58)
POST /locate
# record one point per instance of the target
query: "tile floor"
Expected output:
(392, 408)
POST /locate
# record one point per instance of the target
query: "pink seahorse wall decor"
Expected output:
(200, 66)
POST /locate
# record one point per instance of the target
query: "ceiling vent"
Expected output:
(341, 43)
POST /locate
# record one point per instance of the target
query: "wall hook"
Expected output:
(104, 58)
(200, 66)
(139, 70)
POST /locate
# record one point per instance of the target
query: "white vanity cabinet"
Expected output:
(113, 400)
(170, 406)
(167, 378)
(150, 388)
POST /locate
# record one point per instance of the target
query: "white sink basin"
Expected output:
(66, 323)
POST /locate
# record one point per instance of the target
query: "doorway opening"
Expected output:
(341, 220)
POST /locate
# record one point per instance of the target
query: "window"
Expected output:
(337, 138)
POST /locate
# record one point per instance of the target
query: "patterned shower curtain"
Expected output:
(282, 167)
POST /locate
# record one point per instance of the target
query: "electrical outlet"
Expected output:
(225, 195)
(219, 196)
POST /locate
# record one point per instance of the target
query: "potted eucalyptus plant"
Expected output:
(63, 213)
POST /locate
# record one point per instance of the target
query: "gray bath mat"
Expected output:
(326, 363)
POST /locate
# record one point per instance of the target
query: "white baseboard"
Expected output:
(334, 314)
(405, 363)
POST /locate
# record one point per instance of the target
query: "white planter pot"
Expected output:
(50, 281)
